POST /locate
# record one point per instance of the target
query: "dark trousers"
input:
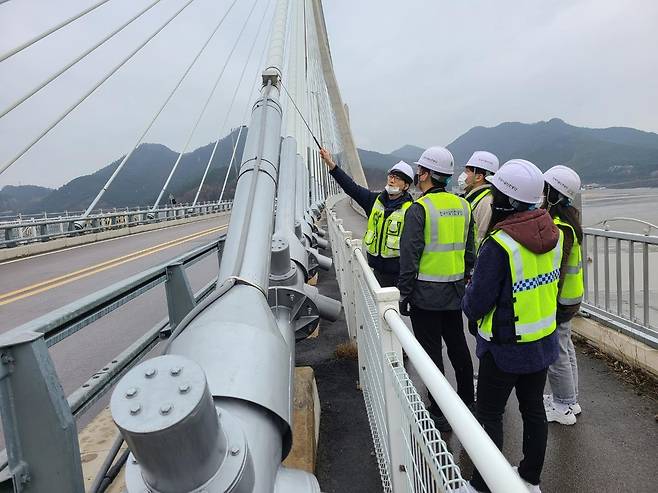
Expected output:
(429, 328)
(385, 279)
(494, 388)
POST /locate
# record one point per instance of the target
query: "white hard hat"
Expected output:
(438, 159)
(520, 180)
(405, 169)
(564, 180)
(484, 160)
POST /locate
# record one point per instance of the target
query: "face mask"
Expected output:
(391, 190)
(461, 181)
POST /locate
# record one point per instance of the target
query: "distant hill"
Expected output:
(14, 199)
(142, 178)
(614, 156)
(605, 156)
(408, 153)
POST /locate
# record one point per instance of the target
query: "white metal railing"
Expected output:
(411, 455)
(21, 231)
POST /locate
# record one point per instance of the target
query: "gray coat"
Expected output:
(426, 295)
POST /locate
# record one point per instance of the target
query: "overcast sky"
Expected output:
(413, 72)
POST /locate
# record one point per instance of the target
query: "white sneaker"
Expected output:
(575, 408)
(561, 413)
(532, 488)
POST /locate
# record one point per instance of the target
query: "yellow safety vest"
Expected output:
(572, 289)
(535, 280)
(447, 218)
(382, 237)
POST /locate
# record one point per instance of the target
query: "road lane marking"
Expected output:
(99, 242)
(48, 284)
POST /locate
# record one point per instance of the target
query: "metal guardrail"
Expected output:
(617, 272)
(22, 436)
(410, 453)
(23, 231)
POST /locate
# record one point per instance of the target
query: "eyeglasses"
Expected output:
(395, 177)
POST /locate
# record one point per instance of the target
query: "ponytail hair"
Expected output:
(558, 205)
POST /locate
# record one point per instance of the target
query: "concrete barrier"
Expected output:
(70, 241)
(618, 345)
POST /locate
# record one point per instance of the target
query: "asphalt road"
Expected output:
(612, 447)
(34, 286)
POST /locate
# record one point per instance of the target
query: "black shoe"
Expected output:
(440, 420)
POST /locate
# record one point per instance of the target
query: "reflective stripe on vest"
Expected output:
(447, 218)
(535, 280)
(382, 238)
(474, 203)
(572, 289)
(479, 197)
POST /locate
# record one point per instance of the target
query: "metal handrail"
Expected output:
(492, 465)
(605, 222)
(41, 229)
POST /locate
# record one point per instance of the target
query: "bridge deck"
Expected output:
(611, 448)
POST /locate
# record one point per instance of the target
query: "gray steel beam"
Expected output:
(41, 436)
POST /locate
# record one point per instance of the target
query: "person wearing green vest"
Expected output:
(561, 187)
(437, 249)
(478, 190)
(385, 211)
(478, 194)
(513, 297)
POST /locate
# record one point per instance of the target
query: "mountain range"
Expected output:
(616, 156)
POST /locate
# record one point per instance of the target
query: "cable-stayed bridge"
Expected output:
(204, 396)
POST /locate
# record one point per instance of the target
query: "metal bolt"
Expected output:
(309, 310)
(150, 373)
(235, 451)
(166, 409)
(175, 371)
(131, 392)
(292, 297)
(184, 389)
(135, 409)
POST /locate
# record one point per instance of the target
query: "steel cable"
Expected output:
(17, 156)
(207, 102)
(250, 98)
(235, 94)
(157, 114)
(62, 24)
(55, 75)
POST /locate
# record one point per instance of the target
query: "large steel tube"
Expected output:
(249, 235)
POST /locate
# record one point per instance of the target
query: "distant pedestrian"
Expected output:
(560, 190)
(436, 251)
(385, 211)
(513, 296)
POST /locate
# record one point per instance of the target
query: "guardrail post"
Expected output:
(387, 298)
(40, 433)
(180, 298)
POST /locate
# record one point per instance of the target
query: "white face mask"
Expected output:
(391, 190)
(461, 181)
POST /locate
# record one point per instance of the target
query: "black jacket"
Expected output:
(426, 295)
(366, 199)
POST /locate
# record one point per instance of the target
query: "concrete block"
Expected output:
(305, 422)
(618, 345)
